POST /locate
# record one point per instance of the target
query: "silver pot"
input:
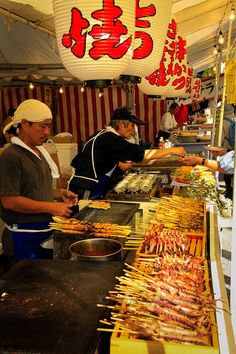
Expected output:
(96, 249)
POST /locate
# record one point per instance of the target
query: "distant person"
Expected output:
(5, 138)
(227, 140)
(168, 122)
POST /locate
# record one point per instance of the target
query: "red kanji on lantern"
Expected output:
(180, 48)
(75, 38)
(172, 30)
(188, 85)
(107, 35)
(146, 47)
(165, 72)
(111, 29)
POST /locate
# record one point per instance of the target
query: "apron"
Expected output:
(26, 241)
(101, 182)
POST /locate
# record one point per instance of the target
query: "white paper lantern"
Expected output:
(151, 24)
(196, 88)
(94, 37)
(159, 81)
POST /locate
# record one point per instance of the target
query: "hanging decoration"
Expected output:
(151, 23)
(95, 37)
(158, 82)
(196, 89)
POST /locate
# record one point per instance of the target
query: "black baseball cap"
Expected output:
(124, 113)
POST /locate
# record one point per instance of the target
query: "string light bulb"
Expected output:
(215, 51)
(100, 94)
(82, 89)
(221, 38)
(232, 14)
(61, 90)
(31, 86)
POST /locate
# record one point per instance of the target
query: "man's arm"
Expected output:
(29, 206)
(157, 153)
(197, 160)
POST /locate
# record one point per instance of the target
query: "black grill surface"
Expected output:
(50, 306)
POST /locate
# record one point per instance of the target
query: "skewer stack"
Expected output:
(75, 226)
(164, 301)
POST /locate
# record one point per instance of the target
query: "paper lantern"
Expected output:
(196, 88)
(178, 69)
(159, 81)
(152, 18)
(94, 37)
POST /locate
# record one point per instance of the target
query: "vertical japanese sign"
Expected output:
(188, 83)
(158, 82)
(151, 23)
(94, 37)
(178, 69)
(196, 88)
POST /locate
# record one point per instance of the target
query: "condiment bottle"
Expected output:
(161, 143)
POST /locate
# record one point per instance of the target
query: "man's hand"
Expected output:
(124, 166)
(60, 209)
(178, 151)
(191, 160)
(66, 196)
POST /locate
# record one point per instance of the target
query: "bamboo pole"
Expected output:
(233, 249)
(217, 78)
(224, 84)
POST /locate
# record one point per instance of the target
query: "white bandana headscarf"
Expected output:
(31, 110)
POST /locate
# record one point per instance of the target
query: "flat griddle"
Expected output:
(51, 306)
(119, 213)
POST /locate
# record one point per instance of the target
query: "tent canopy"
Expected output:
(28, 48)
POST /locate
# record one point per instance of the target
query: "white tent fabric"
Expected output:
(199, 21)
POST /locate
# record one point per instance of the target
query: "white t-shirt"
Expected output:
(168, 122)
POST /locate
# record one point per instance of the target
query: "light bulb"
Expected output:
(215, 51)
(221, 38)
(100, 94)
(61, 89)
(214, 68)
(232, 14)
(82, 89)
(31, 86)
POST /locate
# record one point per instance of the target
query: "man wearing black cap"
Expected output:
(100, 155)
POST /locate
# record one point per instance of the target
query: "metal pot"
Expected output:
(98, 249)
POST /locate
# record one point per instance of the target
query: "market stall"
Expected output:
(146, 214)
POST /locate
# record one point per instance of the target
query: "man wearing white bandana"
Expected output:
(107, 149)
(27, 200)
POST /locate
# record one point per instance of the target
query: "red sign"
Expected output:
(146, 47)
(161, 77)
(107, 35)
(196, 88)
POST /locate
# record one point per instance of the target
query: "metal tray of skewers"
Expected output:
(92, 222)
(136, 187)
